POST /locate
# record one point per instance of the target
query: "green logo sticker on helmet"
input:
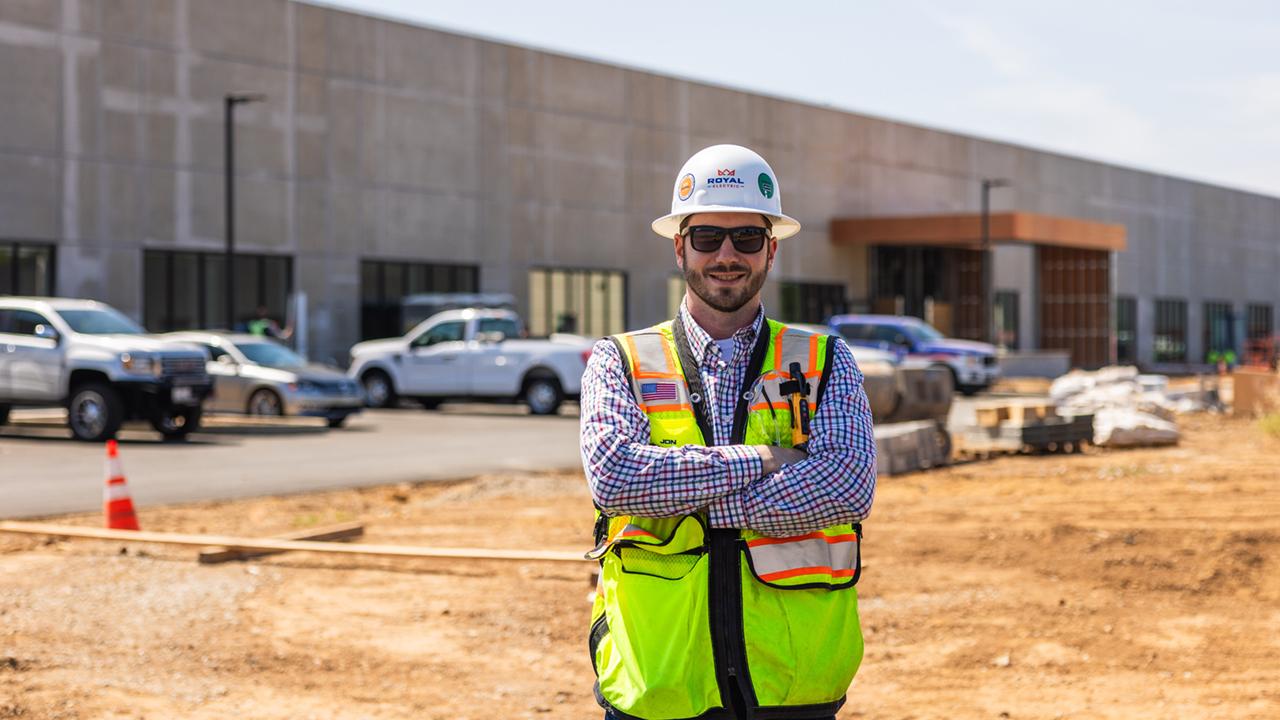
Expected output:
(766, 185)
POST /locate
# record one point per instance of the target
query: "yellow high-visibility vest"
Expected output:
(686, 616)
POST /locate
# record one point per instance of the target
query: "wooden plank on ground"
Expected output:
(341, 531)
(240, 543)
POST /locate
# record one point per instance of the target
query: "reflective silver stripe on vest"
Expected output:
(795, 348)
(812, 554)
(651, 358)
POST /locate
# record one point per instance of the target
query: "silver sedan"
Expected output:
(259, 376)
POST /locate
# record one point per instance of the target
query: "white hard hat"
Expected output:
(726, 178)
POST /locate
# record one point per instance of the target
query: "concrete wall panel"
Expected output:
(427, 61)
(151, 22)
(566, 85)
(95, 272)
(36, 13)
(655, 101)
(159, 209)
(355, 214)
(719, 115)
(429, 144)
(353, 45)
(425, 225)
(261, 214)
(246, 30)
(312, 220)
(310, 37)
(29, 195)
(29, 97)
(260, 126)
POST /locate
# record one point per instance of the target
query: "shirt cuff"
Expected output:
(742, 464)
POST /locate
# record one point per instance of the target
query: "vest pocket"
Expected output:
(829, 559)
(651, 644)
(638, 561)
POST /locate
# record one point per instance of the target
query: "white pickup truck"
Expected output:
(472, 353)
(99, 365)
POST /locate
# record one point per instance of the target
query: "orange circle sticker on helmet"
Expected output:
(686, 186)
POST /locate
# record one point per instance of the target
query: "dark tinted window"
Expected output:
(214, 351)
(505, 326)
(444, 332)
(384, 284)
(184, 290)
(889, 334)
(100, 321)
(26, 322)
(855, 331)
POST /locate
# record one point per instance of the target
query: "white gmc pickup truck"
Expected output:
(99, 365)
(471, 353)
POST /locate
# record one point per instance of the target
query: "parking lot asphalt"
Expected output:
(44, 472)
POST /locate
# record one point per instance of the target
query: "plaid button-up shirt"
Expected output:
(629, 476)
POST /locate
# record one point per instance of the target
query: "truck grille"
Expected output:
(184, 368)
(989, 360)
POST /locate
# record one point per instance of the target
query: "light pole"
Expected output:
(229, 108)
(988, 257)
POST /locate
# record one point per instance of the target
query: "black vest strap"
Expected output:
(693, 378)
(754, 366)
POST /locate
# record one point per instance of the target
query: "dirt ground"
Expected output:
(1121, 584)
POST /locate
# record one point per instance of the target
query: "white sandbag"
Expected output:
(1125, 427)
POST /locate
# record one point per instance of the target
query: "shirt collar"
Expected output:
(704, 347)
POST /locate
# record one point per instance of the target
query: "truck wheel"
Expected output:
(543, 395)
(378, 390)
(265, 402)
(4, 414)
(177, 424)
(94, 412)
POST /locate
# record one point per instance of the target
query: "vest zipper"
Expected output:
(726, 621)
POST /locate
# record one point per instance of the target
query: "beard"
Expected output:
(723, 299)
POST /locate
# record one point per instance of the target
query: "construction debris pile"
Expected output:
(1129, 409)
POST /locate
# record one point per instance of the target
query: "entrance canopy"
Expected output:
(965, 231)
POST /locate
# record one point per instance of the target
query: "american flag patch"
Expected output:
(657, 392)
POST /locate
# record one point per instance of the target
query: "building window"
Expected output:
(384, 284)
(1006, 319)
(187, 290)
(1260, 322)
(26, 268)
(1171, 331)
(809, 302)
(1219, 333)
(586, 302)
(1126, 330)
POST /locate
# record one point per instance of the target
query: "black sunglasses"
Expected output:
(707, 238)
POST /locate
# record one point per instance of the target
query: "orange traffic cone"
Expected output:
(117, 506)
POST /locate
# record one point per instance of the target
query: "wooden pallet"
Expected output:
(1047, 435)
(1015, 412)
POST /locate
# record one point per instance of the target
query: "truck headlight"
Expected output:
(140, 364)
(972, 361)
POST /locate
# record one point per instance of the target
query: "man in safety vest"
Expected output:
(731, 460)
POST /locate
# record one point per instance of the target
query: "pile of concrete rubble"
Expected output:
(1129, 409)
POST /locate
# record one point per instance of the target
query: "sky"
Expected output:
(1185, 88)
